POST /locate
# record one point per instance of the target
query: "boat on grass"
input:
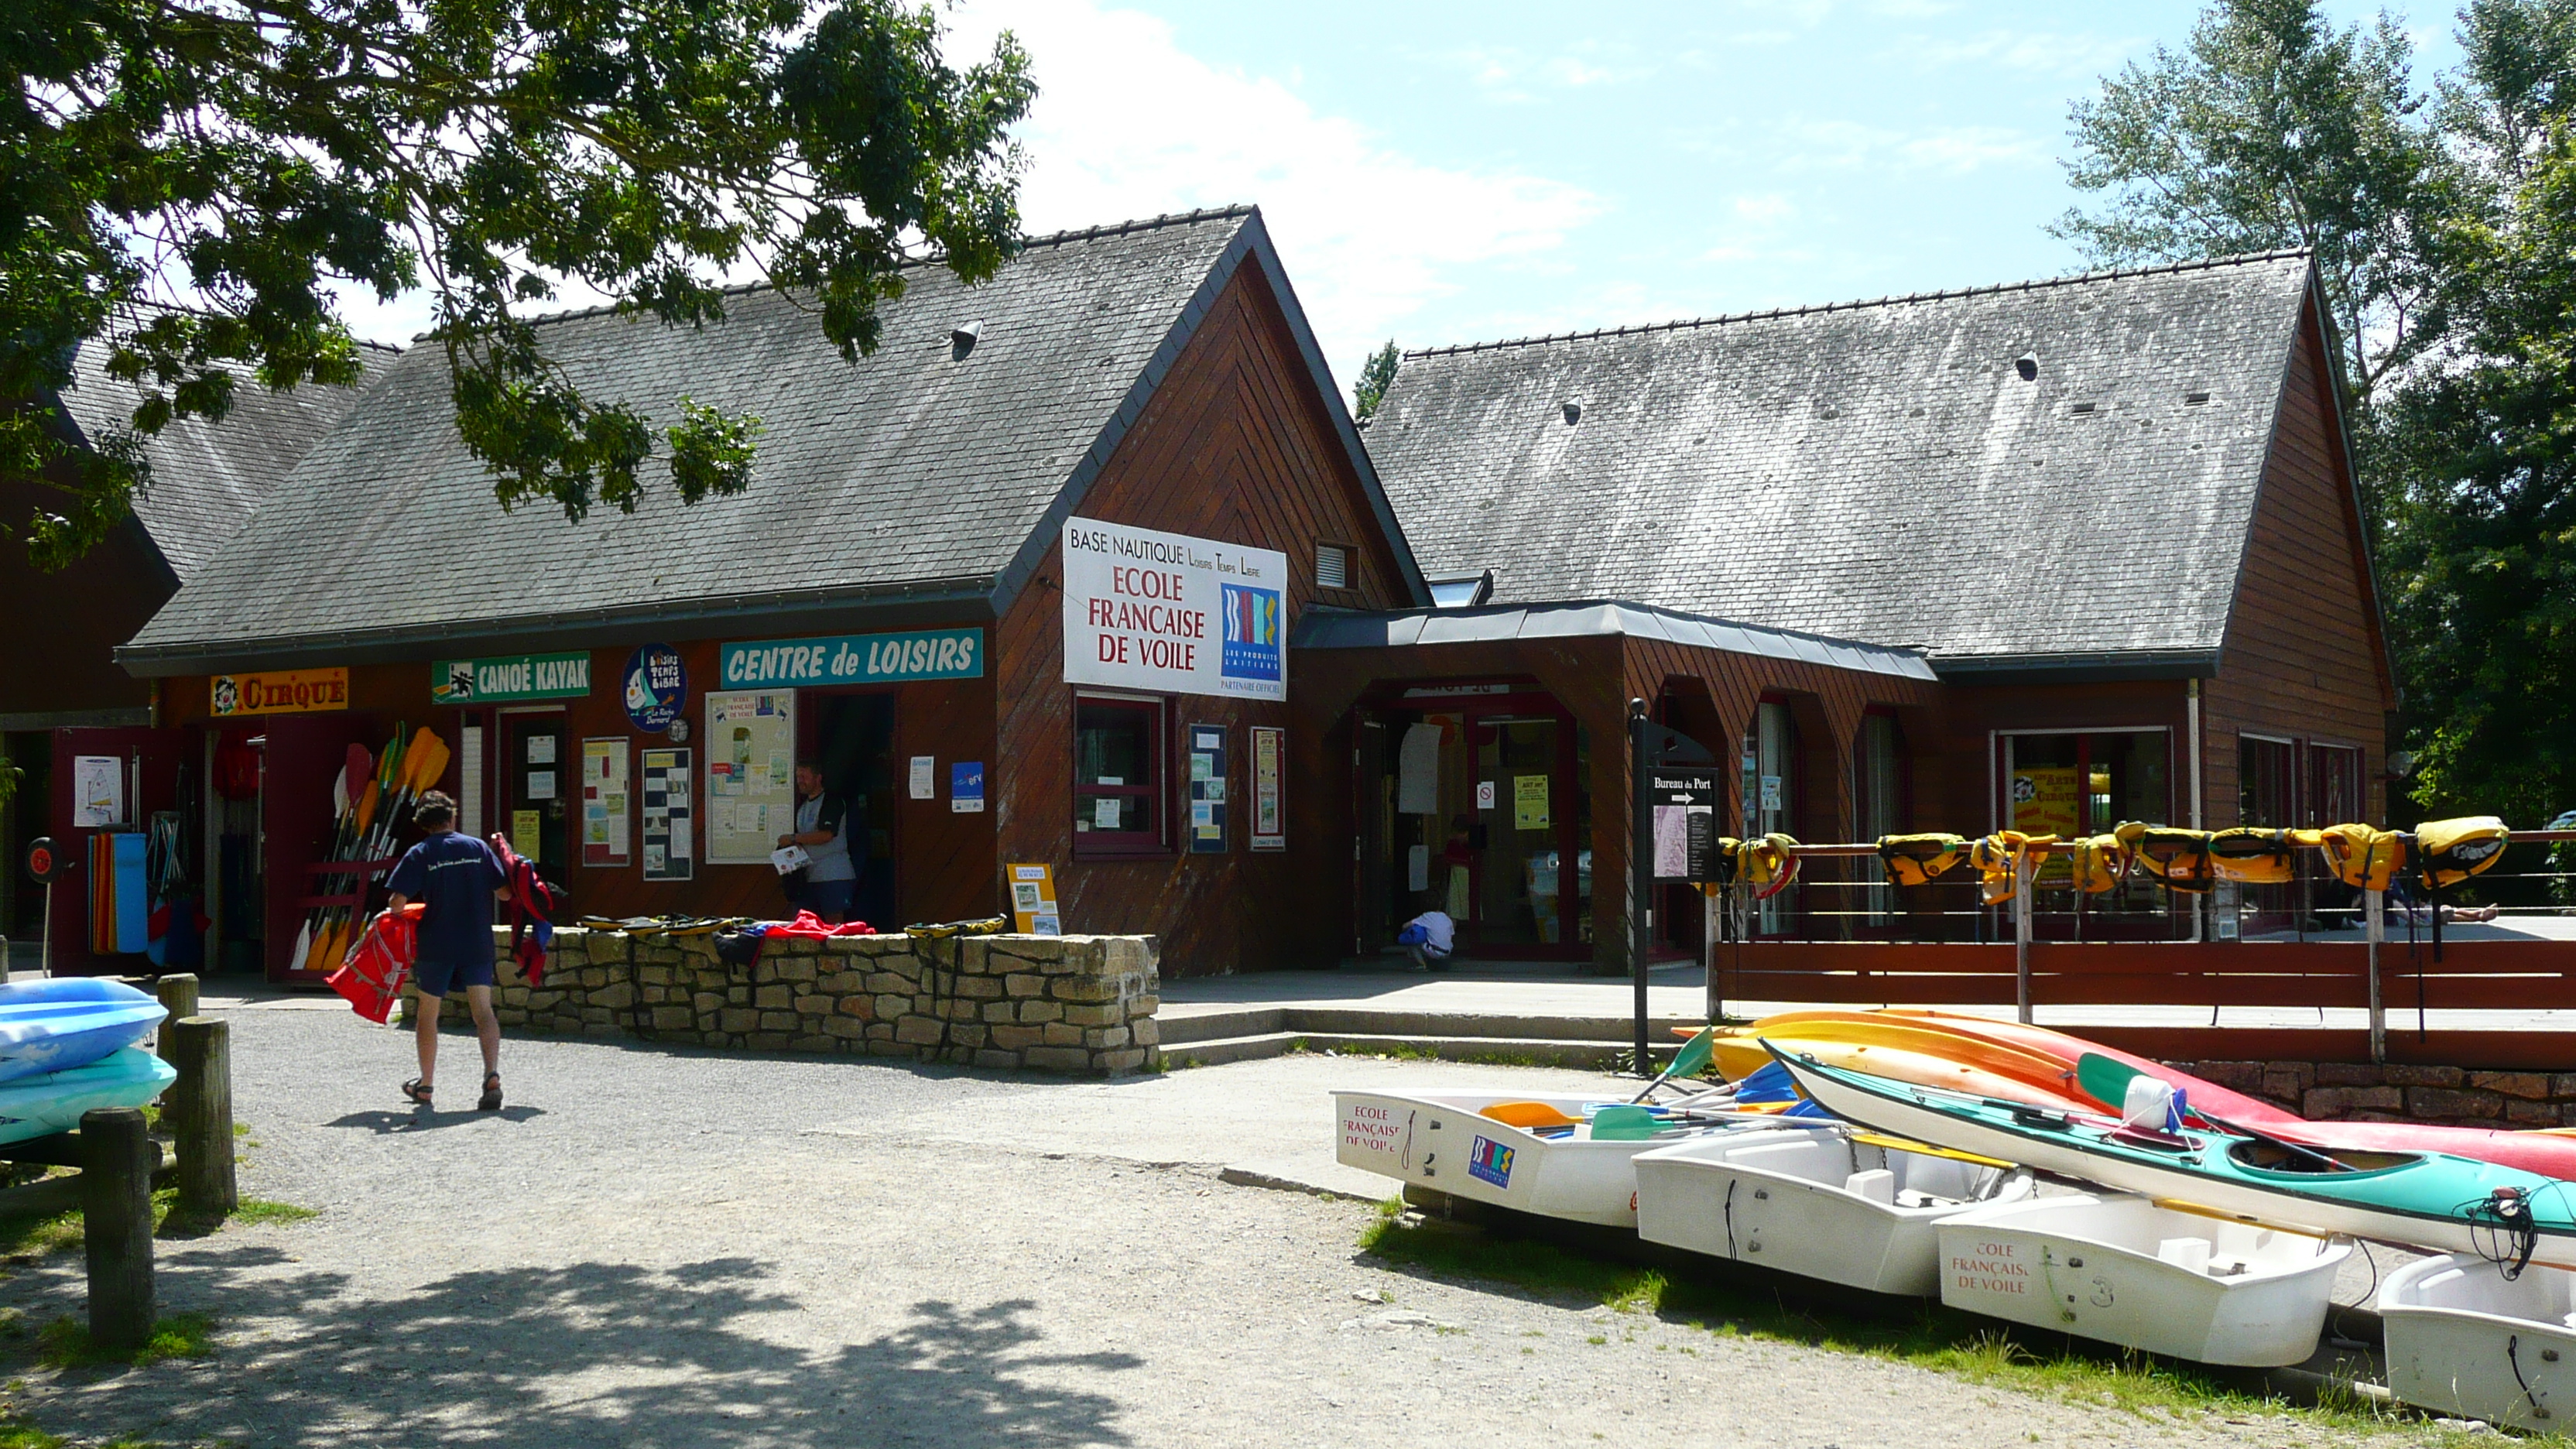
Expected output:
(1556, 1156)
(2126, 1270)
(2464, 1339)
(1840, 1205)
(2426, 1200)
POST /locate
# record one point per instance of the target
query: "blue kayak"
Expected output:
(68, 1021)
(41, 1106)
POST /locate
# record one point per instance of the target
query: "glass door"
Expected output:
(536, 779)
(1519, 798)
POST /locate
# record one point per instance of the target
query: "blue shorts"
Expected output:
(829, 899)
(438, 978)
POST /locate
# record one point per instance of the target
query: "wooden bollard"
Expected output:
(117, 1158)
(179, 998)
(201, 1115)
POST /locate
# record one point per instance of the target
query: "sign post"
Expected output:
(1673, 818)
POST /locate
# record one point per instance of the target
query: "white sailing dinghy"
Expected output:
(1840, 1205)
(2130, 1271)
(2465, 1339)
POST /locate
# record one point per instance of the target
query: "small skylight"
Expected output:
(1573, 412)
(2084, 407)
(2194, 399)
(1464, 593)
(961, 340)
(2028, 366)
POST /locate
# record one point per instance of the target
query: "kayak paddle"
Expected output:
(1689, 1061)
(1531, 1115)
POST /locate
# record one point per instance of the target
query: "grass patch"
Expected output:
(66, 1343)
(1931, 1336)
(261, 1210)
(62, 1232)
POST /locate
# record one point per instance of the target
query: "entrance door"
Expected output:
(536, 777)
(1520, 872)
(1474, 806)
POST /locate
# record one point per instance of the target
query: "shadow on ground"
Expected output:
(590, 1353)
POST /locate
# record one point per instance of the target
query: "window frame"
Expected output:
(1350, 556)
(1156, 789)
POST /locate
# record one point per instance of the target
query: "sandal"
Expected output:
(418, 1090)
(491, 1100)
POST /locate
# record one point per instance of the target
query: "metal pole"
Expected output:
(2373, 931)
(1708, 949)
(2022, 878)
(1641, 849)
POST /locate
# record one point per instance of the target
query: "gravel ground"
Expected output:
(657, 1247)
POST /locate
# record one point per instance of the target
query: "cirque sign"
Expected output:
(283, 691)
(1173, 614)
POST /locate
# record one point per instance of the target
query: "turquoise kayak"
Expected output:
(44, 1105)
(2422, 1200)
(50, 1024)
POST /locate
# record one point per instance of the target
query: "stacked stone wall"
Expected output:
(1082, 1004)
(2451, 1096)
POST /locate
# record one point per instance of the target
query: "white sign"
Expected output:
(922, 765)
(1173, 614)
(98, 791)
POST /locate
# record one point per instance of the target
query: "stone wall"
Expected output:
(2449, 1095)
(1045, 1003)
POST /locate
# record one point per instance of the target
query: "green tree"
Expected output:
(2270, 129)
(2478, 442)
(1376, 375)
(242, 155)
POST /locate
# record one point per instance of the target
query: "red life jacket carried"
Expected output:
(372, 978)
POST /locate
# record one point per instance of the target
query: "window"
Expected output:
(2334, 791)
(1117, 776)
(1878, 770)
(2263, 783)
(1332, 566)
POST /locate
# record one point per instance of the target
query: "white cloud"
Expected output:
(1127, 125)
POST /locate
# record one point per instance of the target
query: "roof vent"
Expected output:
(961, 340)
(1573, 412)
(2028, 366)
(2084, 407)
(2194, 399)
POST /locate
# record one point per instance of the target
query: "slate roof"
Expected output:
(209, 477)
(921, 477)
(1875, 470)
(1574, 619)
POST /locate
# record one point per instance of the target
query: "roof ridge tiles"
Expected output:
(1818, 308)
(1132, 227)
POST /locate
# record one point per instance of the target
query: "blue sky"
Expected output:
(1439, 172)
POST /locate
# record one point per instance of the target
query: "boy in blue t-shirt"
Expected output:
(456, 878)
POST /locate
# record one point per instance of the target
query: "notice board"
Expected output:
(606, 812)
(751, 774)
(670, 826)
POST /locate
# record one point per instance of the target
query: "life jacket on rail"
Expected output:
(2448, 852)
(1915, 860)
(2100, 863)
(1997, 859)
(2253, 855)
(1766, 866)
(2361, 856)
(2177, 857)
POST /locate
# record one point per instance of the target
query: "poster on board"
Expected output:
(751, 774)
(98, 791)
(670, 826)
(1145, 609)
(605, 813)
(1269, 759)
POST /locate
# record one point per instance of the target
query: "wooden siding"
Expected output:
(2304, 658)
(56, 656)
(1237, 445)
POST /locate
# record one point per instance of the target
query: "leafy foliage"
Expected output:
(1376, 376)
(243, 155)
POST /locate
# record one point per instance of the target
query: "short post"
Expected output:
(1708, 925)
(2022, 879)
(2373, 930)
(202, 1115)
(179, 998)
(4, 960)
(117, 1158)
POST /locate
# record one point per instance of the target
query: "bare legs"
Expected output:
(487, 1029)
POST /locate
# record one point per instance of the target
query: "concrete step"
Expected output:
(1195, 1023)
(1516, 1051)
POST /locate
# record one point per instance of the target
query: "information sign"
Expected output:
(1144, 609)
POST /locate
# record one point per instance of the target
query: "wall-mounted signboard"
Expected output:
(751, 774)
(1144, 609)
(279, 691)
(855, 659)
(510, 678)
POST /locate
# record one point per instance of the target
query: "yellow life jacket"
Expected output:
(1996, 857)
(2361, 856)
(1767, 865)
(1913, 860)
(2448, 852)
(2177, 857)
(2100, 863)
(2253, 855)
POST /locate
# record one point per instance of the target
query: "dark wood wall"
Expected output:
(2304, 657)
(56, 653)
(1236, 445)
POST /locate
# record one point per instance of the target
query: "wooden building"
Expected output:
(891, 601)
(2113, 514)
(57, 666)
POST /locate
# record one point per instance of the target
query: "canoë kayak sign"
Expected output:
(510, 678)
(856, 659)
